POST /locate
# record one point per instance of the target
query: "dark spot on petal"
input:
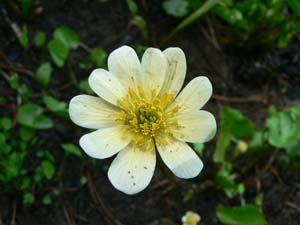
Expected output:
(145, 167)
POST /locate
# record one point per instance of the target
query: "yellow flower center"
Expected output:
(145, 115)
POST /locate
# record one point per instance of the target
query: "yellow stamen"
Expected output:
(146, 117)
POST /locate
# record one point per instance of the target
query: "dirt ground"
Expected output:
(246, 81)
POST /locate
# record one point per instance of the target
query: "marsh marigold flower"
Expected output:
(191, 218)
(139, 112)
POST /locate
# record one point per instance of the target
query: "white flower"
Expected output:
(190, 218)
(137, 113)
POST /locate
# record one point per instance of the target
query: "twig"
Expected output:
(85, 47)
(1, 222)
(69, 216)
(13, 218)
(17, 69)
(253, 98)
(82, 218)
(213, 34)
(108, 215)
(293, 205)
(14, 26)
(167, 189)
(268, 164)
(159, 184)
(4, 57)
(71, 71)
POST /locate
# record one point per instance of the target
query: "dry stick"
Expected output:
(13, 219)
(14, 26)
(253, 98)
(98, 201)
(210, 35)
(1, 223)
(4, 57)
(213, 34)
(17, 69)
(68, 216)
(159, 184)
(82, 218)
(293, 205)
(85, 47)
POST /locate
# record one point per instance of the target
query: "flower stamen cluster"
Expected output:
(145, 116)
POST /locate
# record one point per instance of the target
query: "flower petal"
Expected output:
(179, 157)
(106, 85)
(154, 66)
(91, 112)
(198, 127)
(125, 65)
(176, 71)
(132, 169)
(194, 95)
(105, 142)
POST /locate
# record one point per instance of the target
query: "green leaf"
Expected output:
(48, 169)
(226, 181)
(43, 74)
(83, 180)
(284, 127)
(85, 87)
(31, 115)
(72, 149)
(241, 215)
(26, 182)
(133, 8)
(177, 8)
(25, 91)
(24, 37)
(25, 7)
(258, 140)
(5, 123)
(14, 164)
(67, 37)
(223, 143)
(47, 200)
(207, 6)
(98, 57)
(39, 39)
(198, 147)
(58, 51)
(236, 123)
(14, 81)
(26, 133)
(194, 4)
(233, 126)
(28, 198)
(57, 107)
(295, 6)
(223, 12)
(140, 23)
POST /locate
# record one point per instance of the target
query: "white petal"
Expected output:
(125, 65)
(105, 142)
(132, 169)
(91, 112)
(106, 85)
(154, 65)
(179, 157)
(176, 71)
(199, 126)
(194, 95)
